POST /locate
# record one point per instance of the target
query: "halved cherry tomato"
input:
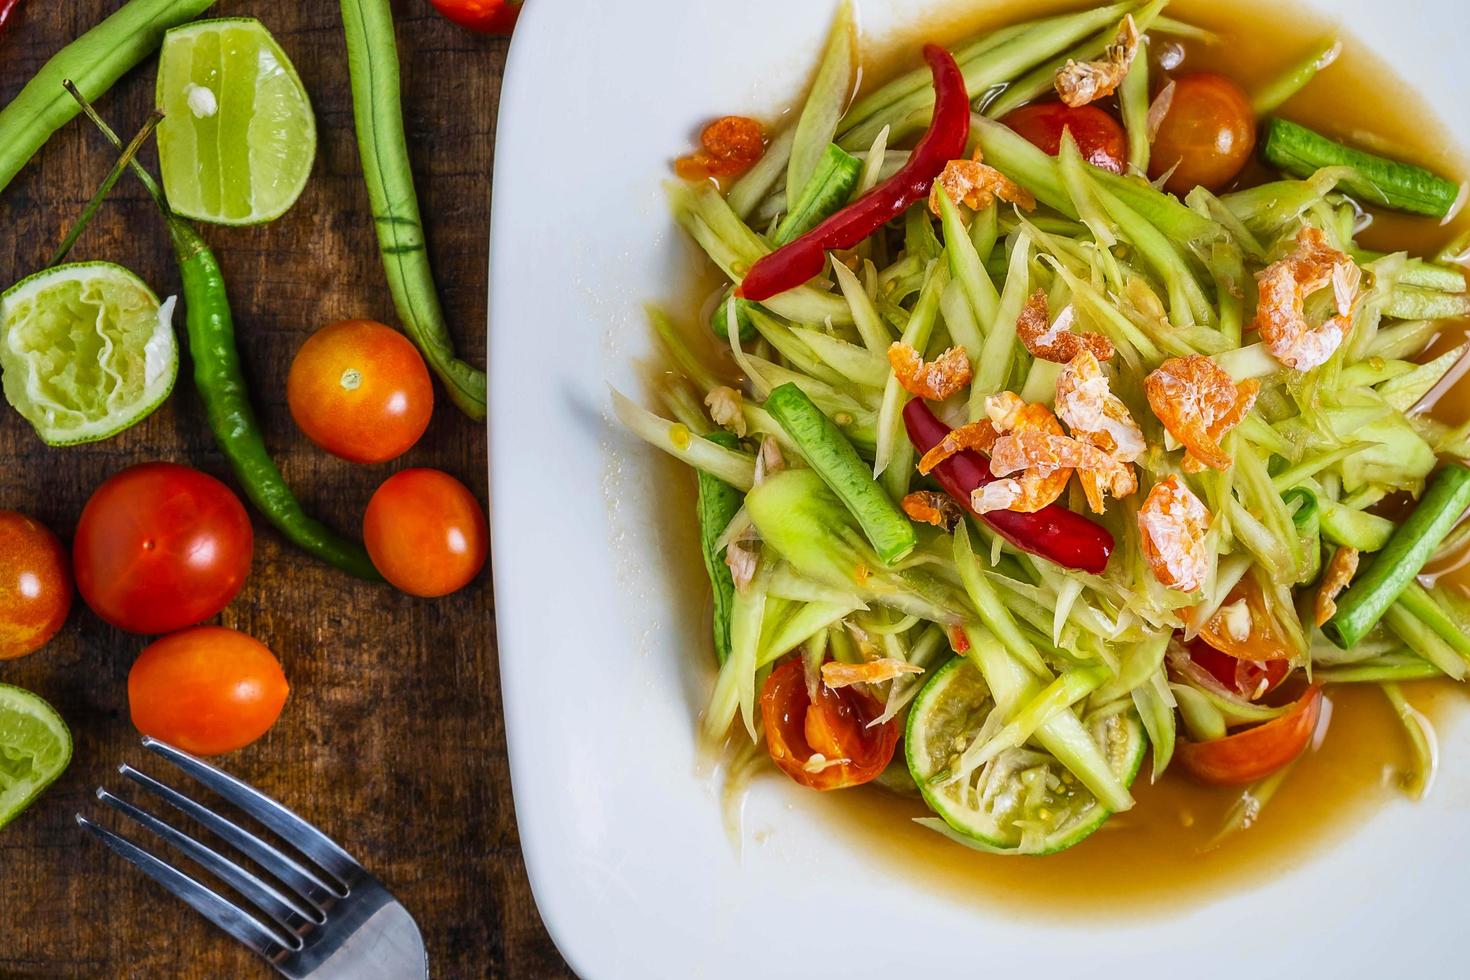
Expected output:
(1256, 752)
(35, 585)
(360, 390)
(1262, 640)
(1209, 131)
(484, 16)
(160, 547)
(1099, 136)
(1251, 679)
(834, 726)
(207, 690)
(426, 532)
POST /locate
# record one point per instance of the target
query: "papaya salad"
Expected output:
(1058, 418)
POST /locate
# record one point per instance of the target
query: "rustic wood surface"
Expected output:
(393, 739)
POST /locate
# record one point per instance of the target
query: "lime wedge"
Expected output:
(86, 350)
(238, 137)
(35, 747)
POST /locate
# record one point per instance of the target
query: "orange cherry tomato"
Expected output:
(1099, 136)
(35, 585)
(834, 726)
(426, 532)
(1209, 131)
(1256, 752)
(161, 546)
(207, 690)
(1251, 665)
(360, 390)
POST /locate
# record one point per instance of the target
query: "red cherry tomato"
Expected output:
(360, 390)
(1250, 666)
(35, 585)
(1099, 136)
(484, 16)
(207, 690)
(1256, 752)
(426, 532)
(160, 547)
(1209, 131)
(835, 726)
(1251, 679)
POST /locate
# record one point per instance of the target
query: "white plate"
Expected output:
(602, 670)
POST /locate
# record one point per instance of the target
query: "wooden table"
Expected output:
(393, 739)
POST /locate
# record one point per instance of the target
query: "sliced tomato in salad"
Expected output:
(1099, 136)
(827, 742)
(1254, 753)
(1251, 679)
(1241, 645)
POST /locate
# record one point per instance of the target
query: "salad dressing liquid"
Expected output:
(1164, 854)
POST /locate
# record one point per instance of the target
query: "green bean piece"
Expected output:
(840, 467)
(1393, 568)
(94, 61)
(372, 61)
(717, 505)
(222, 389)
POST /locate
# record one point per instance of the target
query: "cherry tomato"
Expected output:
(484, 16)
(35, 585)
(1251, 679)
(426, 532)
(835, 726)
(1250, 665)
(360, 390)
(1099, 136)
(207, 690)
(160, 547)
(1256, 752)
(1209, 131)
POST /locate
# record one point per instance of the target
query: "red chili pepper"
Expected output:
(7, 7)
(1053, 532)
(795, 263)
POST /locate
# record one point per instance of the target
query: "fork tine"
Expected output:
(244, 927)
(295, 831)
(286, 911)
(282, 866)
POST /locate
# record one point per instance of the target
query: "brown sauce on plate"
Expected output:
(1163, 855)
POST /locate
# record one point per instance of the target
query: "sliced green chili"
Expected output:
(372, 61)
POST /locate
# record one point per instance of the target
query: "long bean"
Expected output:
(372, 61)
(1393, 568)
(94, 62)
(221, 384)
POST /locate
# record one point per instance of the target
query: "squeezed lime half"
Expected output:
(87, 350)
(35, 747)
(238, 137)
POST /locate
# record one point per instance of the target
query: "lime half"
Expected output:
(87, 350)
(35, 747)
(238, 137)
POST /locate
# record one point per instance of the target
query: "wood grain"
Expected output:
(393, 739)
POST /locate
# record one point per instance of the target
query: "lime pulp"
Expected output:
(35, 748)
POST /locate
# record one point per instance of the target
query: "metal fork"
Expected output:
(324, 918)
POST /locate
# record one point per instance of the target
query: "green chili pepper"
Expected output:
(94, 61)
(372, 61)
(221, 385)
